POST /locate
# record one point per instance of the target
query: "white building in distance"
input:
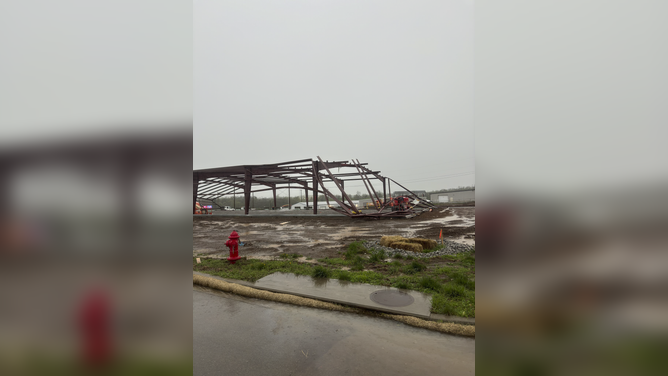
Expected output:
(321, 205)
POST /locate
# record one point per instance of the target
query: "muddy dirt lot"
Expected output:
(318, 236)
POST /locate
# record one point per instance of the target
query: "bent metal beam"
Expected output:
(309, 175)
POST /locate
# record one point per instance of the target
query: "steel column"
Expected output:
(316, 171)
(247, 190)
(195, 188)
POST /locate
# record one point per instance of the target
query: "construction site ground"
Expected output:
(272, 233)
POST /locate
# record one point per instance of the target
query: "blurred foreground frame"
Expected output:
(95, 272)
(97, 196)
(573, 284)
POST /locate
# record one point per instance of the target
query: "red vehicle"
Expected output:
(203, 209)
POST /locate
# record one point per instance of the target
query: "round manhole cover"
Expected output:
(392, 298)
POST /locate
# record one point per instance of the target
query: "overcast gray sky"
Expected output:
(387, 82)
(73, 69)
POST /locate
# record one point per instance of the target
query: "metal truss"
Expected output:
(311, 176)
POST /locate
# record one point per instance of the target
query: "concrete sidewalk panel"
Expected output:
(348, 293)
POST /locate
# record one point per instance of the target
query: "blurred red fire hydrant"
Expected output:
(233, 244)
(95, 323)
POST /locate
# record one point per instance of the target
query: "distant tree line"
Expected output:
(452, 189)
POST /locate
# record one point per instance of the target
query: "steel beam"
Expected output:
(316, 172)
(212, 184)
(337, 184)
(247, 191)
(195, 187)
(364, 176)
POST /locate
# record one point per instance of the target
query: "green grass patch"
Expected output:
(350, 254)
(464, 258)
(372, 278)
(342, 275)
(357, 264)
(395, 268)
(401, 285)
(259, 266)
(357, 267)
(250, 270)
(321, 272)
(378, 255)
(430, 283)
(414, 267)
(455, 296)
(356, 246)
(443, 305)
(289, 255)
(336, 261)
(454, 290)
(462, 279)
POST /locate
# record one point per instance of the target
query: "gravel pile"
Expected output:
(451, 248)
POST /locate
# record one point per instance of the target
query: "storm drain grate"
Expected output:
(391, 298)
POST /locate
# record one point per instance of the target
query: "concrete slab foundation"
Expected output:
(348, 293)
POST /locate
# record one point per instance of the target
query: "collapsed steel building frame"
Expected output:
(309, 175)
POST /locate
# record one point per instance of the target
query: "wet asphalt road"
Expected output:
(234, 335)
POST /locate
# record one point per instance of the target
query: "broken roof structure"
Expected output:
(309, 175)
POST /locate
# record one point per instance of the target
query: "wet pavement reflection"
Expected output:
(233, 335)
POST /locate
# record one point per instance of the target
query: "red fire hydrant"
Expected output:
(95, 322)
(233, 244)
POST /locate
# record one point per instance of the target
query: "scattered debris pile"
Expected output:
(407, 244)
(450, 248)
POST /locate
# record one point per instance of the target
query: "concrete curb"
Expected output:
(447, 328)
(435, 317)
